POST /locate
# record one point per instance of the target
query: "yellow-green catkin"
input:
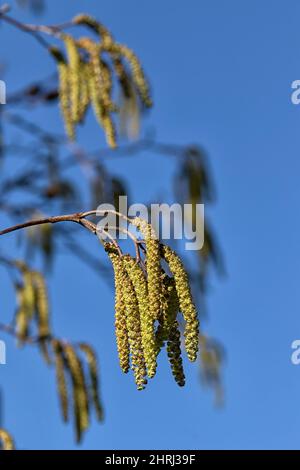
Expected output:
(42, 305)
(139, 282)
(99, 90)
(6, 441)
(137, 72)
(84, 100)
(26, 302)
(120, 314)
(64, 91)
(93, 371)
(61, 378)
(74, 65)
(99, 28)
(133, 323)
(153, 266)
(80, 395)
(187, 307)
(22, 319)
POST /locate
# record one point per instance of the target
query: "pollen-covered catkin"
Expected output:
(93, 371)
(80, 395)
(132, 322)
(74, 75)
(139, 282)
(61, 378)
(6, 441)
(120, 314)
(153, 266)
(187, 307)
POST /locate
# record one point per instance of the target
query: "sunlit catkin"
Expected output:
(74, 65)
(61, 378)
(80, 395)
(99, 83)
(139, 282)
(93, 372)
(64, 91)
(153, 266)
(133, 323)
(6, 441)
(120, 314)
(186, 303)
(96, 26)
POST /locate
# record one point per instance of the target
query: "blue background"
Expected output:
(221, 74)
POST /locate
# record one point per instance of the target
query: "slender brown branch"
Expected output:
(33, 30)
(47, 220)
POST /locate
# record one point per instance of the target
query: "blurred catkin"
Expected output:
(80, 394)
(6, 441)
(93, 372)
(61, 378)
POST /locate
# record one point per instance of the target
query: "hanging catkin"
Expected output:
(74, 69)
(120, 314)
(133, 324)
(6, 441)
(26, 301)
(21, 319)
(64, 91)
(93, 372)
(186, 304)
(61, 378)
(137, 72)
(139, 282)
(42, 304)
(84, 100)
(173, 333)
(80, 395)
(153, 266)
(92, 23)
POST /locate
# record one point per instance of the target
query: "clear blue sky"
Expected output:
(221, 74)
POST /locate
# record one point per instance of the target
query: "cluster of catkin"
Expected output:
(6, 441)
(70, 374)
(33, 307)
(87, 75)
(147, 302)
